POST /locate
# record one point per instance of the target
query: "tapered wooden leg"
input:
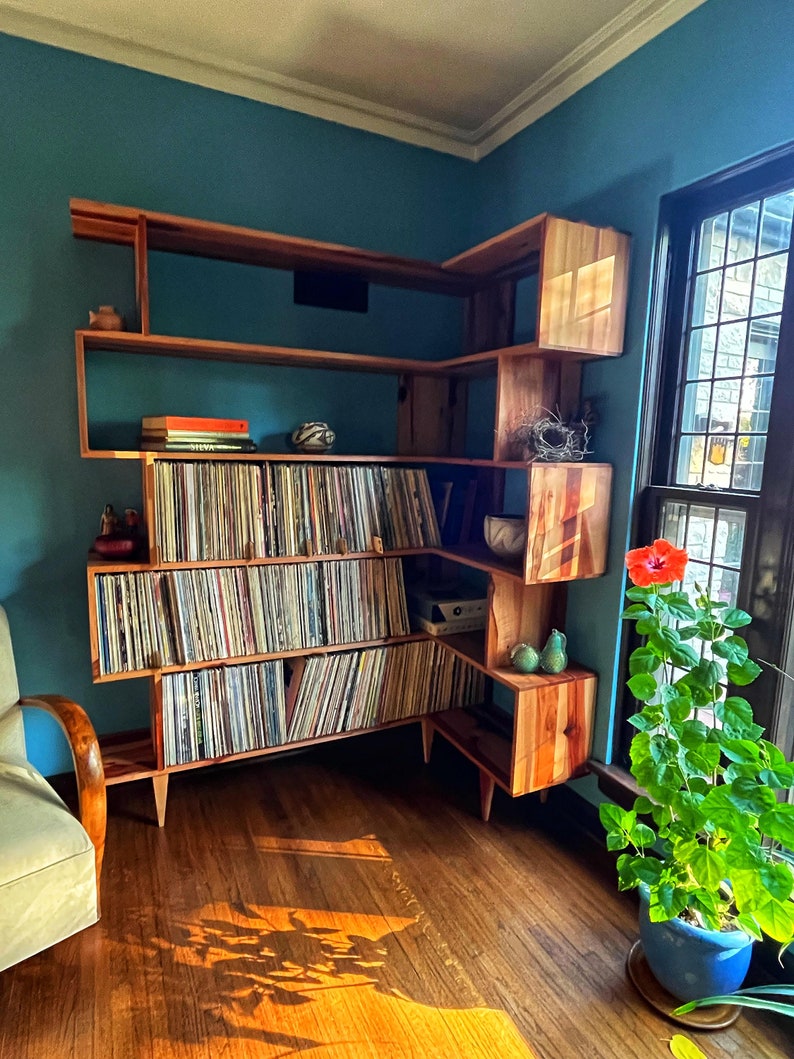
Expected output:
(543, 795)
(486, 795)
(427, 739)
(160, 784)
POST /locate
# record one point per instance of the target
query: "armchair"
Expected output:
(50, 863)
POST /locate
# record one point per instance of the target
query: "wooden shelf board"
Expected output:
(98, 565)
(303, 652)
(489, 751)
(470, 646)
(126, 760)
(183, 235)
(533, 681)
(127, 756)
(480, 557)
(300, 457)
(500, 252)
(472, 365)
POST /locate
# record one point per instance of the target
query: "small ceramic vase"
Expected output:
(106, 319)
(313, 437)
(524, 658)
(553, 658)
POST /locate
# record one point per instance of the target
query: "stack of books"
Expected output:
(195, 434)
(443, 612)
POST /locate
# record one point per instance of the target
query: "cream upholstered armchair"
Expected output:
(50, 862)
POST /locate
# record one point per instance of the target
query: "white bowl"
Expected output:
(506, 535)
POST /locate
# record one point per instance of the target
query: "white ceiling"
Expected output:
(460, 76)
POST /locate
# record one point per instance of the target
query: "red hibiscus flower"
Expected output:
(659, 564)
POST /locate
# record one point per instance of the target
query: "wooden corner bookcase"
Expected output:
(581, 275)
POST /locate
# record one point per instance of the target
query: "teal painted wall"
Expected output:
(75, 126)
(712, 90)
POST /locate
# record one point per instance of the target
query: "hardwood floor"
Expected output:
(347, 903)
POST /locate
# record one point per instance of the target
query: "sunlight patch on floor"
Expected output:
(320, 983)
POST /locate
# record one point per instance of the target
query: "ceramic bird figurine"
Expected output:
(553, 658)
(525, 658)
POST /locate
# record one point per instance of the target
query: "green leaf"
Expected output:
(743, 674)
(778, 880)
(778, 823)
(636, 610)
(776, 920)
(735, 618)
(643, 660)
(667, 901)
(780, 773)
(734, 649)
(752, 797)
(665, 639)
(735, 713)
(683, 1048)
(708, 867)
(686, 632)
(642, 836)
(677, 604)
(693, 733)
(642, 805)
(642, 722)
(645, 626)
(779, 1008)
(684, 656)
(648, 870)
(642, 686)
(637, 594)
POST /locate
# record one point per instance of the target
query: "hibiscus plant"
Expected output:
(701, 835)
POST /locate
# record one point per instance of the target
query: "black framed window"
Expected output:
(717, 471)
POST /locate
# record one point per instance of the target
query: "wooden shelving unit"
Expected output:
(582, 282)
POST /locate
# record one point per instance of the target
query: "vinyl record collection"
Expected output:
(358, 689)
(212, 713)
(149, 619)
(211, 510)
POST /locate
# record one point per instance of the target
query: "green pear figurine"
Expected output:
(553, 658)
(525, 658)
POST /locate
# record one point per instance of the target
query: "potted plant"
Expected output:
(699, 841)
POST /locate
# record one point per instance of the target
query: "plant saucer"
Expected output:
(718, 1017)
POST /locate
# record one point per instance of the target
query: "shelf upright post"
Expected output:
(142, 273)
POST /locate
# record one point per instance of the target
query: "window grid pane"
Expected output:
(731, 345)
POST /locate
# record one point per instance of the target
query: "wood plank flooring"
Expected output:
(347, 904)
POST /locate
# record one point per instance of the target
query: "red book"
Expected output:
(195, 423)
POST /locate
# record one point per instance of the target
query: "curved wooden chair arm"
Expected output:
(87, 766)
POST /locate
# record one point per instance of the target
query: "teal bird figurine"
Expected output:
(553, 658)
(525, 658)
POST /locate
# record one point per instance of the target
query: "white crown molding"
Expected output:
(240, 79)
(638, 24)
(626, 33)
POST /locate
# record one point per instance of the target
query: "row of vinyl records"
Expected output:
(213, 510)
(212, 713)
(155, 618)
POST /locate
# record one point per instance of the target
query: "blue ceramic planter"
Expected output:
(691, 962)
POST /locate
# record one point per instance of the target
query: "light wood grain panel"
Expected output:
(527, 388)
(552, 731)
(431, 415)
(568, 521)
(583, 288)
(519, 614)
